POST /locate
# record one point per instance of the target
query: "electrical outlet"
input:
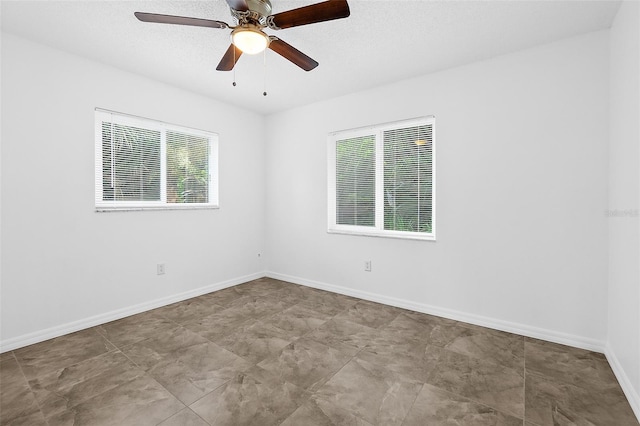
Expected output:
(160, 269)
(367, 265)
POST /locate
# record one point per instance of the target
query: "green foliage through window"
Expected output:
(144, 163)
(130, 163)
(355, 181)
(187, 168)
(382, 180)
(408, 187)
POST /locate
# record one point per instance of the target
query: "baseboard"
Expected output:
(553, 336)
(625, 383)
(511, 327)
(50, 333)
(522, 329)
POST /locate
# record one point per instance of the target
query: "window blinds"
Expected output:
(142, 163)
(355, 181)
(382, 180)
(130, 163)
(187, 168)
(408, 172)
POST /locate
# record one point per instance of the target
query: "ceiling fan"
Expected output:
(255, 15)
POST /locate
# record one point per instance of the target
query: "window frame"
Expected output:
(377, 131)
(102, 115)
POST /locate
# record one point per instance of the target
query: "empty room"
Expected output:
(305, 212)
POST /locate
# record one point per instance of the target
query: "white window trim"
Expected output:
(377, 230)
(131, 120)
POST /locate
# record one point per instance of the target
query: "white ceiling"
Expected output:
(382, 41)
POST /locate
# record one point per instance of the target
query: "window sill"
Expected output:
(386, 234)
(108, 209)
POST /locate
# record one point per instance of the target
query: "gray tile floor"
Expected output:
(273, 353)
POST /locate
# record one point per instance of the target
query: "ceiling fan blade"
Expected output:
(292, 54)
(240, 5)
(179, 20)
(319, 12)
(229, 59)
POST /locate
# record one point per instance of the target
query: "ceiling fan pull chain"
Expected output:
(234, 68)
(265, 73)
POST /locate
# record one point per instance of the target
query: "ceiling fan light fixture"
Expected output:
(249, 40)
(252, 17)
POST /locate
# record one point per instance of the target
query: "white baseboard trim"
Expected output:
(497, 324)
(625, 383)
(522, 329)
(553, 336)
(50, 333)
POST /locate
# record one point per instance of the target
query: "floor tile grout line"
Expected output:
(478, 358)
(412, 404)
(499, 410)
(339, 369)
(474, 356)
(146, 373)
(255, 320)
(199, 416)
(363, 349)
(333, 375)
(24, 376)
(264, 318)
(305, 335)
(95, 329)
(475, 401)
(547, 377)
(186, 408)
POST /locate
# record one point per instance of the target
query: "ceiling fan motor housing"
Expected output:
(258, 11)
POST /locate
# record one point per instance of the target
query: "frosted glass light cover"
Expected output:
(250, 41)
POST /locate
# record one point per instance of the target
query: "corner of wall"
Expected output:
(623, 316)
(625, 383)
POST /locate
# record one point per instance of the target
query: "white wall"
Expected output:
(523, 243)
(521, 191)
(624, 188)
(64, 265)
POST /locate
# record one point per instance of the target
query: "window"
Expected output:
(147, 164)
(382, 181)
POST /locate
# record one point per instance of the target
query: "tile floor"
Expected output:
(274, 353)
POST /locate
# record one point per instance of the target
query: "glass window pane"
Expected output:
(130, 163)
(187, 168)
(355, 181)
(408, 184)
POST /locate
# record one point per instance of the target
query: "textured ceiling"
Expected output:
(382, 41)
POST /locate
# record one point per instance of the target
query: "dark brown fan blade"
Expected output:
(240, 5)
(291, 53)
(229, 59)
(319, 12)
(179, 20)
